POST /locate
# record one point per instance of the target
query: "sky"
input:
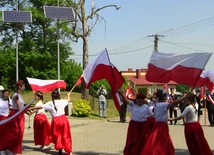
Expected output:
(185, 26)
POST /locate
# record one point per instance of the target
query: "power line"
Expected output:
(183, 46)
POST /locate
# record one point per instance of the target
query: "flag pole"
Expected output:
(111, 67)
(71, 90)
(205, 106)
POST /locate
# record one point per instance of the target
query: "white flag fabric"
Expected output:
(45, 85)
(181, 68)
(102, 68)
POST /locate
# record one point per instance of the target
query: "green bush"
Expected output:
(81, 108)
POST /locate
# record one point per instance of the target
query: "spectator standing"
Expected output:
(210, 107)
(123, 110)
(172, 110)
(102, 101)
(194, 135)
(198, 100)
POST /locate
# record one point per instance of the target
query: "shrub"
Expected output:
(81, 108)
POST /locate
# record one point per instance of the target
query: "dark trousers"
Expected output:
(211, 116)
(171, 111)
(122, 112)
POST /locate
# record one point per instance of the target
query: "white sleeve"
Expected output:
(64, 102)
(10, 102)
(185, 112)
(47, 105)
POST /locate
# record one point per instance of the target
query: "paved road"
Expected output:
(100, 137)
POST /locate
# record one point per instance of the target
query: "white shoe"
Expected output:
(3, 152)
(10, 153)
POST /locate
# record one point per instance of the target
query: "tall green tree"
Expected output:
(37, 44)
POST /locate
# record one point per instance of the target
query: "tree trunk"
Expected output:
(85, 63)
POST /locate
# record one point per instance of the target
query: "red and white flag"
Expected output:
(102, 68)
(129, 93)
(181, 68)
(206, 78)
(79, 81)
(45, 85)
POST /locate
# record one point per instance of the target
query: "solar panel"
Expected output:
(17, 16)
(59, 12)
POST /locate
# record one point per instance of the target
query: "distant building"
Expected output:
(137, 79)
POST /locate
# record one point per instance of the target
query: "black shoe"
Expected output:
(60, 152)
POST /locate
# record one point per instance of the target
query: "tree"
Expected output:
(83, 33)
(37, 45)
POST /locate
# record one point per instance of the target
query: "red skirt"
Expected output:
(12, 136)
(42, 130)
(159, 141)
(150, 122)
(136, 137)
(2, 117)
(196, 142)
(61, 133)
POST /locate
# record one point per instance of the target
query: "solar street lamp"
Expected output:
(17, 17)
(56, 12)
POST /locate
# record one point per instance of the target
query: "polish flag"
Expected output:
(102, 68)
(181, 68)
(45, 85)
(8, 138)
(79, 81)
(129, 93)
(206, 78)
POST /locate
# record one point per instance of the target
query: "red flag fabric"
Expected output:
(45, 85)
(202, 92)
(102, 68)
(210, 99)
(79, 81)
(129, 93)
(165, 87)
(206, 78)
(9, 128)
(181, 68)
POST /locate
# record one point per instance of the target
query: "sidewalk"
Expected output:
(102, 137)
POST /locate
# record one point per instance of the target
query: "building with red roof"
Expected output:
(137, 79)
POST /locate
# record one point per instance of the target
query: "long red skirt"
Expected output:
(42, 130)
(150, 122)
(2, 117)
(61, 133)
(159, 141)
(11, 138)
(136, 137)
(196, 142)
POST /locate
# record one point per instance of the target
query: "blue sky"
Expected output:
(187, 26)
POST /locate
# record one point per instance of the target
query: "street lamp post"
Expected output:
(59, 13)
(17, 17)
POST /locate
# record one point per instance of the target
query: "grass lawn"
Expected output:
(111, 109)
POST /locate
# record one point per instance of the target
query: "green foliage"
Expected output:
(142, 91)
(81, 108)
(182, 88)
(37, 46)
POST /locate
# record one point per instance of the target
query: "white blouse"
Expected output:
(60, 105)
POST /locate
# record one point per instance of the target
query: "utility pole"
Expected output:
(154, 85)
(156, 38)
